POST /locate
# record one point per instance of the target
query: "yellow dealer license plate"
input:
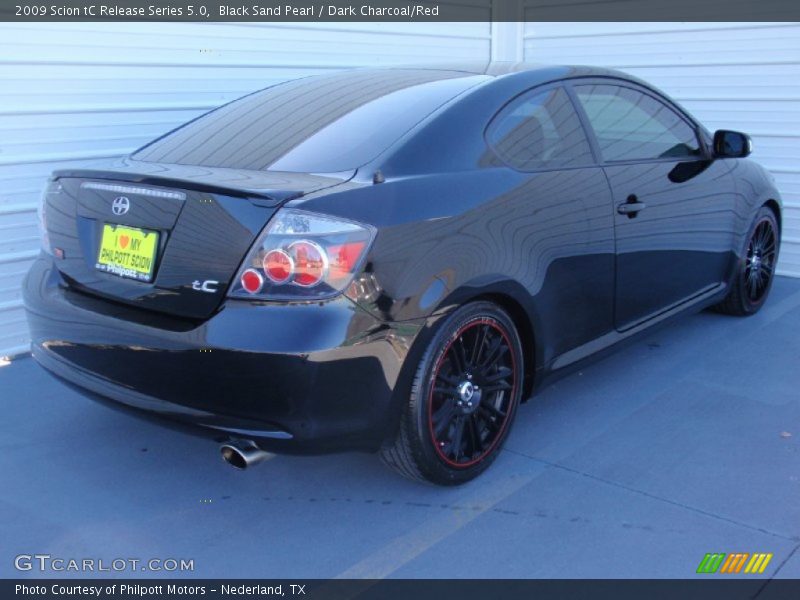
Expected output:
(128, 252)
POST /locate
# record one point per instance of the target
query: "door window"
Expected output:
(630, 125)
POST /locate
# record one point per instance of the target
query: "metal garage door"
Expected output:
(730, 75)
(78, 92)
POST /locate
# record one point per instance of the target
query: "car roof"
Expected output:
(504, 68)
(514, 75)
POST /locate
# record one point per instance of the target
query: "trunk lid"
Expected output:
(197, 223)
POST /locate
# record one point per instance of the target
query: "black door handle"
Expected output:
(631, 207)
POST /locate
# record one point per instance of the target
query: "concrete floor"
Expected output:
(684, 443)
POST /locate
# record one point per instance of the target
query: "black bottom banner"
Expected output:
(413, 589)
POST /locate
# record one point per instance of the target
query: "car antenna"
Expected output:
(378, 177)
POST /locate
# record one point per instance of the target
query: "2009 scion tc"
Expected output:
(393, 260)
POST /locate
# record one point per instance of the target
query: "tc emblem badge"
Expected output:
(120, 206)
(209, 286)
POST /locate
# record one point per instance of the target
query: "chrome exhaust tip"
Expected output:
(241, 454)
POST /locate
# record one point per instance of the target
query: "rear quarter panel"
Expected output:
(543, 239)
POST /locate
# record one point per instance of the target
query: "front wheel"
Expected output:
(756, 268)
(463, 400)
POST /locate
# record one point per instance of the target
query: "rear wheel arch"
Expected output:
(509, 296)
(514, 298)
(525, 330)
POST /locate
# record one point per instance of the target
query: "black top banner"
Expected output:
(400, 10)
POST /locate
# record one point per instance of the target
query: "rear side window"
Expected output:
(540, 130)
(319, 124)
(630, 125)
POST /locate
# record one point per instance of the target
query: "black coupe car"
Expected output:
(393, 260)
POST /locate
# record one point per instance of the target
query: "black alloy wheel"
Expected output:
(756, 270)
(469, 403)
(464, 398)
(760, 261)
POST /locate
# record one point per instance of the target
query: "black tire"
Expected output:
(756, 268)
(463, 400)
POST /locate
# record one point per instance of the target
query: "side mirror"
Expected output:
(732, 144)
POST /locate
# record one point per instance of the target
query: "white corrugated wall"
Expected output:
(743, 76)
(78, 92)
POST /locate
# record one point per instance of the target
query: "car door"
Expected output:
(674, 217)
(561, 241)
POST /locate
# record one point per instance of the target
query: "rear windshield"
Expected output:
(315, 125)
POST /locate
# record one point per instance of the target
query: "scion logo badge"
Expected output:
(120, 206)
(720, 562)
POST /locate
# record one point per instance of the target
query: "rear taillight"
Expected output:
(302, 255)
(252, 281)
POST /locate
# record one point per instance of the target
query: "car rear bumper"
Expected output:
(296, 378)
